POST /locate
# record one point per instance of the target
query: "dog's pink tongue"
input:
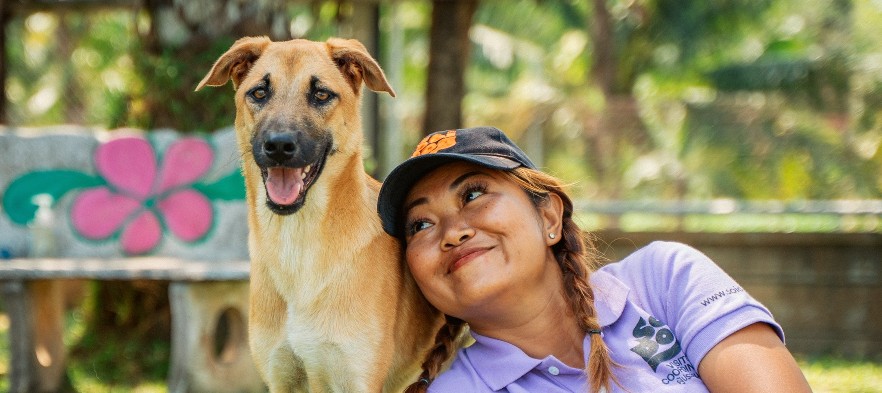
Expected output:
(283, 185)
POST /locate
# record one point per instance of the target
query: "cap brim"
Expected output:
(399, 182)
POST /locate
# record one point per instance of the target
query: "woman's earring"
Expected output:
(551, 236)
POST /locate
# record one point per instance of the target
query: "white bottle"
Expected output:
(42, 228)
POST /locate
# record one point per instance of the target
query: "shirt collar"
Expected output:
(499, 363)
(610, 296)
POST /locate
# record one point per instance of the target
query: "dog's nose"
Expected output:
(280, 147)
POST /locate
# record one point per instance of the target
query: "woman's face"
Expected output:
(475, 243)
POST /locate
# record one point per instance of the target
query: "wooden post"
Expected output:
(38, 354)
(22, 376)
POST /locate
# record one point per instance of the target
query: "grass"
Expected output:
(835, 375)
(110, 364)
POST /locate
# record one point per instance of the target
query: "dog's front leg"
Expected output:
(287, 374)
(280, 368)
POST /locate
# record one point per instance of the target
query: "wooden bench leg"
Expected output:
(36, 315)
(210, 338)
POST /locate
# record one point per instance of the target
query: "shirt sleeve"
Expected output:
(690, 293)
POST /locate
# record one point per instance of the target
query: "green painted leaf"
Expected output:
(17, 197)
(228, 188)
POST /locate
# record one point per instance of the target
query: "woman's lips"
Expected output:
(465, 257)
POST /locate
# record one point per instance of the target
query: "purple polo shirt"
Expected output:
(662, 309)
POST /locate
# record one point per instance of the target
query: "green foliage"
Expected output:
(167, 98)
(75, 68)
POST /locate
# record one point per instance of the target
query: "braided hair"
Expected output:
(576, 256)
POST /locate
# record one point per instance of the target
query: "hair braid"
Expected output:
(581, 298)
(445, 346)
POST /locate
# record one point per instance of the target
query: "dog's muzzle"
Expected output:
(289, 162)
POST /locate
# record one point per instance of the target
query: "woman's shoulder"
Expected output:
(657, 260)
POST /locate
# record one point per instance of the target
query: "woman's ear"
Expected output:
(551, 212)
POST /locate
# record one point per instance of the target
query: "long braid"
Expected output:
(575, 254)
(581, 298)
(445, 346)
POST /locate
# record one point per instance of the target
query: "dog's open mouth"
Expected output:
(286, 187)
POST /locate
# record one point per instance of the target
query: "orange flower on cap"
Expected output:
(435, 142)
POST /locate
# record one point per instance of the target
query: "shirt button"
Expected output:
(553, 370)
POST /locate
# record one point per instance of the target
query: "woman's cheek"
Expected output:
(416, 263)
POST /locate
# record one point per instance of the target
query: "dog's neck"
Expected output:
(337, 200)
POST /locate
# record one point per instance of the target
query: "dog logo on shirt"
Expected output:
(656, 344)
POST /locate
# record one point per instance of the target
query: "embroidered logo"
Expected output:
(656, 344)
(435, 142)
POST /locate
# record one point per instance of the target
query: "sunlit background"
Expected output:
(662, 115)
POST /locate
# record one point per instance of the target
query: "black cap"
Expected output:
(485, 146)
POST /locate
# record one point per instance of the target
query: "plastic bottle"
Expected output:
(42, 228)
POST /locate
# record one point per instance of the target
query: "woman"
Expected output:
(491, 242)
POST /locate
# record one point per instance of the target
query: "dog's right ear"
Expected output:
(235, 63)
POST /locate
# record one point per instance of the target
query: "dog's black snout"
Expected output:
(280, 147)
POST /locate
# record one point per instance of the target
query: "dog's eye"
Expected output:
(259, 94)
(321, 95)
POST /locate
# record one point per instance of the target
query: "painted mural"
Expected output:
(137, 195)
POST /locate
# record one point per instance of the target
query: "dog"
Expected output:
(332, 307)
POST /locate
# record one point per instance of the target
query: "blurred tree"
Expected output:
(449, 50)
(669, 99)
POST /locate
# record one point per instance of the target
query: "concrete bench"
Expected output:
(126, 205)
(209, 309)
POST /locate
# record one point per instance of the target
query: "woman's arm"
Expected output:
(752, 359)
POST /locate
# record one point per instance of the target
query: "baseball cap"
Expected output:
(485, 146)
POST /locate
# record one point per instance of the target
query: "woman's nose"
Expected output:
(456, 234)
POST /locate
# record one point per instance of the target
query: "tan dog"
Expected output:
(332, 307)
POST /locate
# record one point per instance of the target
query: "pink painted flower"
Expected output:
(138, 202)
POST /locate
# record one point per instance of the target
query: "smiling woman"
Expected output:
(491, 242)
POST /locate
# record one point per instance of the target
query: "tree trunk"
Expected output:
(617, 123)
(603, 66)
(449, 50)
(600, 135)
(4, 19)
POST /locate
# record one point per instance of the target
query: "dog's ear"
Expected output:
(235, 63)
(357, 65)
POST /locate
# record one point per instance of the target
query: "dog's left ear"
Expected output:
(236, 63)
(357, 65)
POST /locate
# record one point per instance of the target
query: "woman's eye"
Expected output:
(321, 95)
(472, 195)
(259, 94)
(417, 226)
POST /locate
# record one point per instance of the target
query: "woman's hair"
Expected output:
(576, 256)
